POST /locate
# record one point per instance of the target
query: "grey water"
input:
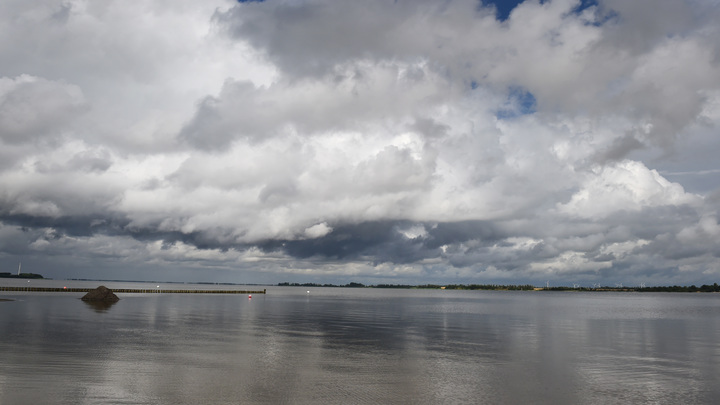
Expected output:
(361, 346)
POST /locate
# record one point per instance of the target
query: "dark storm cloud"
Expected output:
(56, 228)
(347, 241)
(385, 241)
(73, 226)
(447, 233)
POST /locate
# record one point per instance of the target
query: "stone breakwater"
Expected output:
(130, 290)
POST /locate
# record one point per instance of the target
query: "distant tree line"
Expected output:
(523, 287)
(351, 285)
(678, 288)
(424, 286)
(674, 288)
(21, 275)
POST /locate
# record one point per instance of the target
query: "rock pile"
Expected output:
(102, 294)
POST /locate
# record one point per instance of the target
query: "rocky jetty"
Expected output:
(101, 294)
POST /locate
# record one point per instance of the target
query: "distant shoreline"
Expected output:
(165, 281)
(23, 276)
(705, 288)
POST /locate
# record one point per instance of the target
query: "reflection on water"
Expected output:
(361, 346)
(99, 306)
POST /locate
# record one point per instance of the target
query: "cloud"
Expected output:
(348, 99)
(625, 186)
(32, 108)
(317, 231)
(406, 141)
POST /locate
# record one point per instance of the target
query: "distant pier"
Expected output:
(130, 290)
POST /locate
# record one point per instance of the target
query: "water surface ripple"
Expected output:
(362, 346)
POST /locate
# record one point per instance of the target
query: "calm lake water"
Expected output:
(360, 346)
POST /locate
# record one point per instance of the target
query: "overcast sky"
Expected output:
(373, 141)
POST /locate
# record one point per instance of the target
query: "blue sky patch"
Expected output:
(505, 7)
(519, 102)
(584, 4)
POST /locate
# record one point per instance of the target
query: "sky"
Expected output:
(395, 142)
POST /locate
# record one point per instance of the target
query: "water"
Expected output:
(360, 346)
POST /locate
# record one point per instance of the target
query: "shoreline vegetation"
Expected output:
(487, 287)
(21, 275)
(512, 287)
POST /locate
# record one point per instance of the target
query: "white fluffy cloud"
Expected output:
(624, 186)
(409, 141)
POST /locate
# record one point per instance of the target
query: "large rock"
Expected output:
(102, 294)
